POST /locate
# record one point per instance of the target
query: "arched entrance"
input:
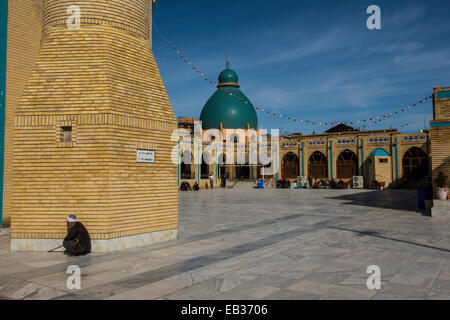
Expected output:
(243, 172)
(318, 166)
(265, 171)
(347, 165)
(290, 166)
(186, 166)
(415, 164)
(204, 168)
(222, 160)
(242, 169)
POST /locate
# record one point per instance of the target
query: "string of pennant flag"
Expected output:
(361, 123)
(193, 66)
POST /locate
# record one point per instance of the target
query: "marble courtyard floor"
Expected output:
(260, 244)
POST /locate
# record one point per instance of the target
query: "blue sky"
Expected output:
(308, 59)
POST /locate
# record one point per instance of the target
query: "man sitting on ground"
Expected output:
(196, 187)
(185, 186)
(77, 241)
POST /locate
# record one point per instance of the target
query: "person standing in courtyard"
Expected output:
(211, 180)
(77, 241)
(223, 183)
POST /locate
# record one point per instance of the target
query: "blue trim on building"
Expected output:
(396, 158)
(440, 124)
(362, 158)
(3, 61)
(331, 159)
(199, 172)
(379, 152)
(276, 163)
(443, 94)
(303, 160)
(251, 166)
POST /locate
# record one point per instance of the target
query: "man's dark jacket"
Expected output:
(79, 232)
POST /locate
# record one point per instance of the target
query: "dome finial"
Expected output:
(227, 63)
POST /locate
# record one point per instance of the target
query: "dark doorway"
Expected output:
(242, 172)
(222, 160)
(347, 165)
(415, 164)
(318, 166)
(205, 166)
(290, 166)
(186, 166)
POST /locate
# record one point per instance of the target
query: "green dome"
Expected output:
(228, 76)
(228, 106)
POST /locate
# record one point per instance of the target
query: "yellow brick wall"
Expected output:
(441, 107)
(103, 80)
(371, 141)
(440, 134)
(24, 35)
(440, 150)
(131, 16)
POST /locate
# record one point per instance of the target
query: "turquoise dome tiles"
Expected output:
(379, 152)
(229, 106)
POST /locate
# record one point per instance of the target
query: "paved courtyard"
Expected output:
(260, 244)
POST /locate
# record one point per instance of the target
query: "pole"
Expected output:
(56, 248)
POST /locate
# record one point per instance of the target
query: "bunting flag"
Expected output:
(361, 123)
(371, 120)
(193, 66)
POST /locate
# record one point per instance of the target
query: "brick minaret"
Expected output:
(94, 98)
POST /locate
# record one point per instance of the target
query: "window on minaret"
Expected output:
(66, 134)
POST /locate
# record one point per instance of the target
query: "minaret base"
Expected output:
(111, 245)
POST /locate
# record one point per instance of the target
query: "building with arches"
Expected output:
(440, 132)
(231, 115)
(387, 157)
(344, 152)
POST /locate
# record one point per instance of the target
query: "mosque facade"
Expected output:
(382, 158)
(87, 126)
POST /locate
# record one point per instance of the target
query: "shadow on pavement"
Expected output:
(379, 235)
(387, 199)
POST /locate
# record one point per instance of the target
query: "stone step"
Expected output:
(441, 209)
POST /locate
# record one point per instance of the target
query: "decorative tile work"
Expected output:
(440, 125)
(98, 119)
(346, 141)
(440, 132)
(378, 140)
(316, 143)
(443, 94)
(413, 138)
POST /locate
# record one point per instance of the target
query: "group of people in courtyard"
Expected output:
(325, 183)
(186, 186)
